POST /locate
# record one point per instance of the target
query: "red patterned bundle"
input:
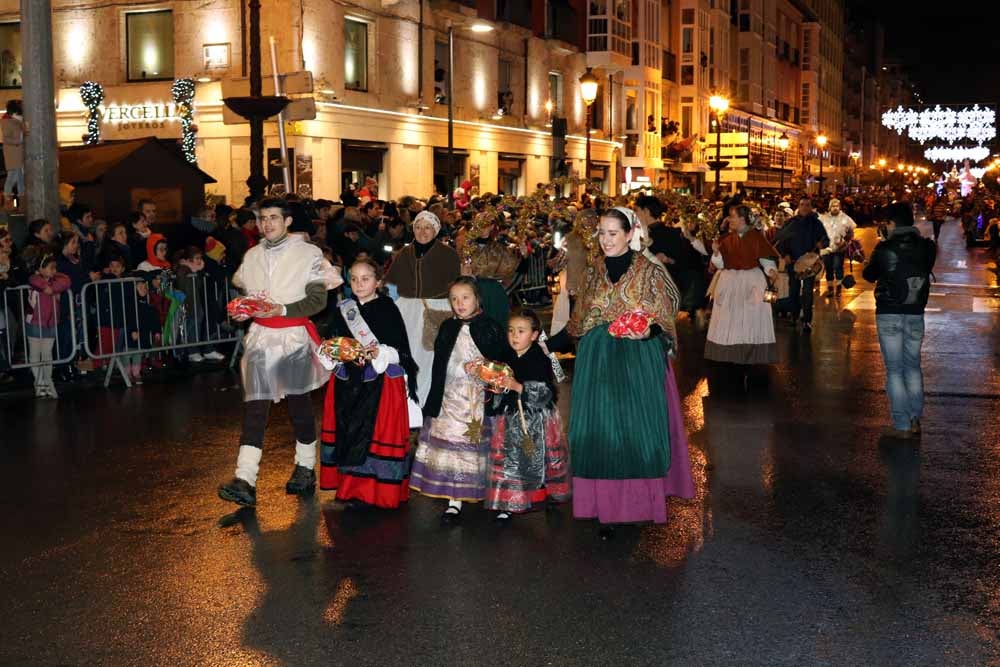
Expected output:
(245, 307)
(632, 322)
(343, 348)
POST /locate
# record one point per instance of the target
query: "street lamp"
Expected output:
(783, 145)
(588, 91)
(821, 142)
(477, 27)
(881, 165)
(856, 156)
(718, 104)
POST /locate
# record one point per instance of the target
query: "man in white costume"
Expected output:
(279, 359)
(840, 228)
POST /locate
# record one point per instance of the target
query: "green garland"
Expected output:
(92, 94)
(183, 93)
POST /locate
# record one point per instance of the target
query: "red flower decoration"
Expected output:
(632, 322)
(248, 306)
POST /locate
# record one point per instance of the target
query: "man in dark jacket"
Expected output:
(801, 234)
(938, 213)
(901, 266)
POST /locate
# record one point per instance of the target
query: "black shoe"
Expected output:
(606, 533)
(807, 327)
(302, 482)
(502, 518)
(240, 492)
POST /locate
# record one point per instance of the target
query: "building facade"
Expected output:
(380, 73)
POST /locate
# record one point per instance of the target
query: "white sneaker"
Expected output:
(214, 356)
(195, 357)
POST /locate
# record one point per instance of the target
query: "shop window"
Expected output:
(355, 55)
(10, 55)
(509, 175)
(150, 45)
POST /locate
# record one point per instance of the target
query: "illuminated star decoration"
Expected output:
(183, 92)
(92, 94)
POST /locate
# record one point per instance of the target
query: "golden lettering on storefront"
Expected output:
(151, 115)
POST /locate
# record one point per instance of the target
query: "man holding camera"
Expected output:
(900, 266)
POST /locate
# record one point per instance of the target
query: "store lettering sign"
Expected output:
(151, 115)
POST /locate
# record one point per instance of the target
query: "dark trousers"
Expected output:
(937, 228)
(800, 293)
(255, 415)
(834, 263)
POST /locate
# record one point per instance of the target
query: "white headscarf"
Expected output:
(429, 217)
(633, 221)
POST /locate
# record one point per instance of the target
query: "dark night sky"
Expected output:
(950, 49)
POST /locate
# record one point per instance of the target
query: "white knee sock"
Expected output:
(248, 463)
(305, 454)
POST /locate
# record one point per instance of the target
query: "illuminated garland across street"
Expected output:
(183, 92)
(956, 153)
(977, 124)
(92, 94)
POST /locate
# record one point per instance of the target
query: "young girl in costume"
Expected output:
(450, 461)
(529, 459)
(366, 424)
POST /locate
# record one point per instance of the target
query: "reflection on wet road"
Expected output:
(810, 541)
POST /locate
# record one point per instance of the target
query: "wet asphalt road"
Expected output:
(810, 542)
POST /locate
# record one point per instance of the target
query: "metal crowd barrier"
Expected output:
(16, 308)
(119, 322)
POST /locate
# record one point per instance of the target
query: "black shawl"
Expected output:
(533, 366)
(488, 336)
(356, 401)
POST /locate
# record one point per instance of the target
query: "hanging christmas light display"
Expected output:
(92, 94)
(183, 93)
(975, 124)
(956, 153)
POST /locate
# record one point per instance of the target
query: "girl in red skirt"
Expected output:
(366, 417)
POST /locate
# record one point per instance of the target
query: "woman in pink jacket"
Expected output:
(47, 286)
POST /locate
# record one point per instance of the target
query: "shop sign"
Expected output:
(148, 116)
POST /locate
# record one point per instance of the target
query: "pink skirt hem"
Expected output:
(641, 500)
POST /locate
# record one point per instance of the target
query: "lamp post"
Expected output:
(855, 155)
(821, 142)
(881, 166)
(588, 91)
(783, 145)
(450, 172)
(718, 104)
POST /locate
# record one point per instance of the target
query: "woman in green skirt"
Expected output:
(622, 441)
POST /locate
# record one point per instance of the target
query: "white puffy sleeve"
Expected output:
(386, 355)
